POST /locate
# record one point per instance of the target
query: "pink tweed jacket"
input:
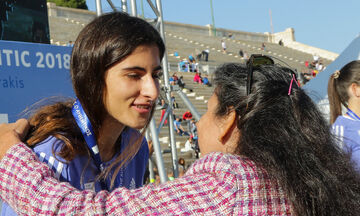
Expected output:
(217, 184)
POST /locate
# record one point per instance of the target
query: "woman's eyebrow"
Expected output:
(142, 69)
(135, 68)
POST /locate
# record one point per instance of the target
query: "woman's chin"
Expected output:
(138, 125)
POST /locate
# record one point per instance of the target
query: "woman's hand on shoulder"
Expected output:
(11, 134)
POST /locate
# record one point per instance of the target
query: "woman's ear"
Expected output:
(227, 127)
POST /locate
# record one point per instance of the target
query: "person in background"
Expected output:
(191, 59)
(171, 80)
(184, 65)
(223, 46)
(197, 78)
(93, 142)
(181, 82)
(70, 44)
(193, 128)
(187, 116)
(182, 168)
(198, 55)
(266, 150)
(344, 90)
(281, 43)
(163, 110)
(205, 54)
(319, 66)
(206, 81)
(241, 53)
(263, 47)
(194, 138)
(173, 99)
(192, 63)
(178, 127)
(188, 145)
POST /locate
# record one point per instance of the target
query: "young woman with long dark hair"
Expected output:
(94, 142)
(344, 91)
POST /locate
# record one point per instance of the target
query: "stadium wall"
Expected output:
(287, 36)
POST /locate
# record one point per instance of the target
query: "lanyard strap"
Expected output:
(84, 124)
(352, 115)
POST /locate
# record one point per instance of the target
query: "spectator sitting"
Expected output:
(192, 59)
(206, 81)
(192, 63)
(241, 53)
(70, 44)
(181, 82)
(312, 65)
(171, 80)
(175, 104)
(223, 46)
(281, 43)
(184, 65)
(187, 116)
(195, 146)
(201, 79)
(182, 168)
(188, 145)
(319, 66)
(307, 64)
(263, 47)
(176, 78)
(182, 162)
(193, 129)
(178, 128)
(194, 137)
(193, 67)
(197, 78)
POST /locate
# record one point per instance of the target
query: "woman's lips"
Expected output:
(142, 108)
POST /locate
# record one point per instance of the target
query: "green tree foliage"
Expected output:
(81, 4)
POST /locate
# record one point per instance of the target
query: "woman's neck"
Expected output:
(109, 132)
(354, 105)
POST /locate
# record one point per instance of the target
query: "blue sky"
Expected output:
(329, 25)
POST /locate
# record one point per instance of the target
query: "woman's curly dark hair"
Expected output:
(288, 136)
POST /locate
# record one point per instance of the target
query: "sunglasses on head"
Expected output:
(257, 60)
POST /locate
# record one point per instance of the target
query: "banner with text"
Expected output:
(30, 72)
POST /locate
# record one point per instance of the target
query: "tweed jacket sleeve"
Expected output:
(210, 187)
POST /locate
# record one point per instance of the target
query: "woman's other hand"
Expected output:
(11, 134)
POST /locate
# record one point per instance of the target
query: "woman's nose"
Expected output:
(150, 88)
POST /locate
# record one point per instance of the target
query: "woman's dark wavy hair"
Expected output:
(105, 41)
(287, 135)
(338, 87)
